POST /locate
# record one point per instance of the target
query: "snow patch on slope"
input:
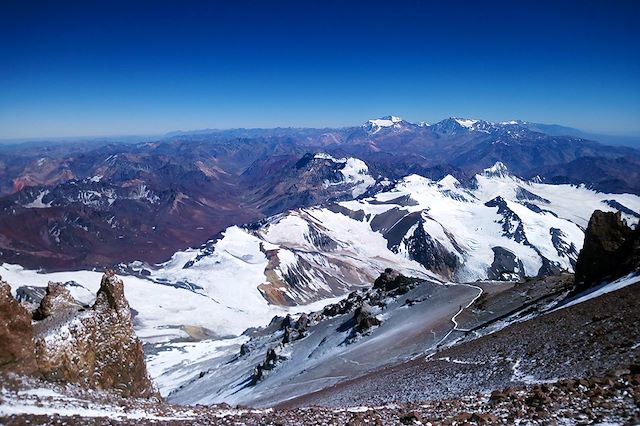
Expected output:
(37, 203)
(355, 172)
(385, 121)
(621, 282)
(466, 122)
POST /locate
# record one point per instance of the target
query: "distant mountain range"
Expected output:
(550, 129)
(99, 204)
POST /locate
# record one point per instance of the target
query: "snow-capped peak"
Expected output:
(325, 156)
(512, 122)
(499, 169)
(392, 122)
(355, 172)
(449, 182)
(466, 122)
(387, 121)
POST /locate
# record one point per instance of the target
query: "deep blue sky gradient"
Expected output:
(104, 68)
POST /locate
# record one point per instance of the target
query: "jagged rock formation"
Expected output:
(294, 330)
(363, 307)
(57, 298)
(365, 318)
(93, 347)
(16, 335)
(611, 249)
(270, 361)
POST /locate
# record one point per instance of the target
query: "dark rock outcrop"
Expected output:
(30, 296)
(16, 335)
(365, 318)
(431, 253)
(611, 249)
(506, 265)
(392, 280)
(295, 330)
(272, 358)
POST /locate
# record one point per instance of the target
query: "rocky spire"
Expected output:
(111, 296)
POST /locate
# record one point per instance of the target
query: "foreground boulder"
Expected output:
(16, 335)
(93, 347)
(365, 318)
(611, 249)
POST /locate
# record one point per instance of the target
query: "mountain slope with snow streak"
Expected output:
(297, 258)
(354, 172)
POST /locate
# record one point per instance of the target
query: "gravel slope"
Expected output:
(583, 340)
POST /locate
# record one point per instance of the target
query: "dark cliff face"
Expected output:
(431, 253)
(611, 249)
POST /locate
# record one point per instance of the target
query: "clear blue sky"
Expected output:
(136, 67)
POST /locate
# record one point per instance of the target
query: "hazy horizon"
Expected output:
(633, 137)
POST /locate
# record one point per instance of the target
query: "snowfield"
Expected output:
(162, 312)
(354, 172)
